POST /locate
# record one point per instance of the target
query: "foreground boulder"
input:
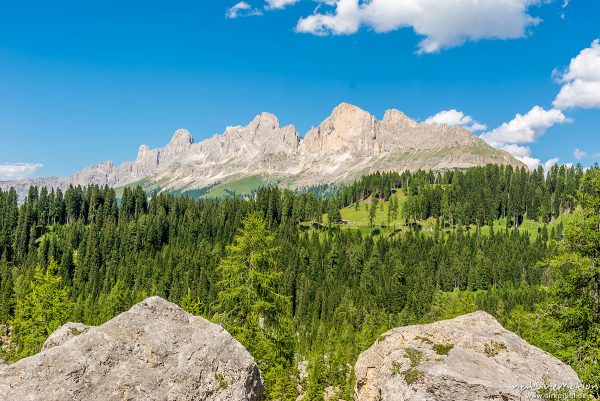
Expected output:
(154, 351)
(469, 358)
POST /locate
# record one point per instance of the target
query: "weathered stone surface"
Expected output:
(349, 143)
(154, 351)
(63, 334)
(485, 362)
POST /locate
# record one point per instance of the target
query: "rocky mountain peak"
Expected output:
(348, 129)
(396, 118)
(347, 144)
(267, 120)
(346, 113)
(346, 108)
(181, 138)
(265, 133)
(142, 151)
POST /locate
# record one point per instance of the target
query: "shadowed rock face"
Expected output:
(349, 143)
(483, 362)
(154, 351)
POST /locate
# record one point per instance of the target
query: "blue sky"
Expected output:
(81, 83)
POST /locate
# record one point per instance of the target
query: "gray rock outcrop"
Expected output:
(154, 351)
(63, 334)
(470, 358)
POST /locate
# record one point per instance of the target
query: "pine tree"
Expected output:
(373, 210)
(40, 311)
(190, 305)
(249, 303)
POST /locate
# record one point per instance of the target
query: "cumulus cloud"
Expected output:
(548, 164)
(455, 117)
(526, 128)
(242, 9)
(15, 171)
(532, 163)
(512, 136)
(279, 4)
(442, 23)
(581, 81)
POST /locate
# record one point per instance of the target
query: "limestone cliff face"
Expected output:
(348, 129)
(469, 358)
(349, 143)
(154, 351)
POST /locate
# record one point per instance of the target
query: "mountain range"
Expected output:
(346, 145)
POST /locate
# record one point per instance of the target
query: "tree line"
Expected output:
(317, 298)
(477, 195)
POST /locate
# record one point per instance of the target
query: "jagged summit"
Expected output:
(266, 119)
(344, 107)
(349, 143)
(396, 118)
(181, 137)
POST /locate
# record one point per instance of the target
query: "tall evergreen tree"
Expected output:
(39, 312)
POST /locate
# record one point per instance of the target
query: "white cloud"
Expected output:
(242, 9)
(581, 81)
(516, 150)
(442, 23)
(455, 117)
(346, 20)
(532, 163)
(526, 128)
(523, 130)
(279, 4)
(15, 171)
(579, 154)
(548, 165)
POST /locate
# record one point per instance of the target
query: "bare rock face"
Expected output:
(349, 143)
(470, 358)
(154, 351)
(348, 129)
(63, 334)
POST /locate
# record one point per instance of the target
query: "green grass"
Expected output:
(530, 226)
(358, 219)
(145, 183)
(442, 349)
(415, 356)
(412, 376)
(243, 186)
(493, 348)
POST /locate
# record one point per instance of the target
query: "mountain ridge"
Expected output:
(345, 145)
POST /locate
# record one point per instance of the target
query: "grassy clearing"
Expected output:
(242, 186)
(358, 219)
